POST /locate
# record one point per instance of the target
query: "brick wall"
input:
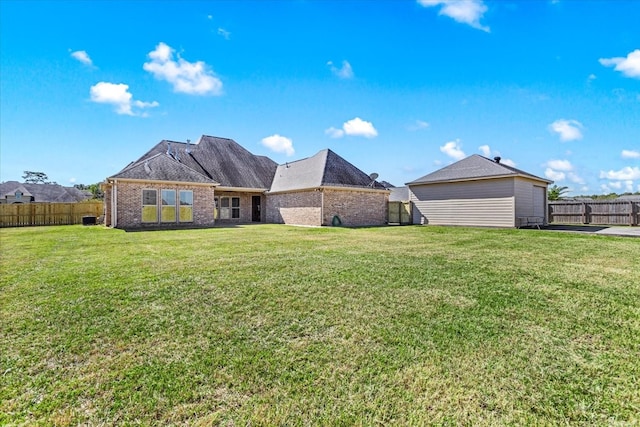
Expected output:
(354, 208)
(129, 205)
(299, 208)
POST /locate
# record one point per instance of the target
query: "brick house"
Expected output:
(325, 189)
(217, 181)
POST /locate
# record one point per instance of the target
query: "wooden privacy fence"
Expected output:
(592, 212)
(399, 213)
(30, 214)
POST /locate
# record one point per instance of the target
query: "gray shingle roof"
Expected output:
(162, 167)
(399, 194)
(44, 192)
(220, 159)
(325, 168)
(471, 168)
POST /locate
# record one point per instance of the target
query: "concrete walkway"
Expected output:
(597, 229)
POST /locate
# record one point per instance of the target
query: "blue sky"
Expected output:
(400, 88)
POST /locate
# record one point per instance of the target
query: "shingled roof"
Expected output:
(162, 167)
(44, 192)
(222, 160)
(325, 168)
(474, 167)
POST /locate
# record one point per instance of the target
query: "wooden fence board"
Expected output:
(33, 214)
(595, 212)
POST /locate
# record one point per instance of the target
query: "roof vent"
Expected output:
(188, 150)
(497, 159)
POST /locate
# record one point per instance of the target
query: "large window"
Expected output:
(186, 206)
(168, 213)
(149, 206)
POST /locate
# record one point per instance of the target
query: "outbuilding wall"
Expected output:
(489, 202)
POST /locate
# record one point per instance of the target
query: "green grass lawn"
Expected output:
(278, 325)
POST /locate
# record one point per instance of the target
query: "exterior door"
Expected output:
(225, 210)
(255, 208)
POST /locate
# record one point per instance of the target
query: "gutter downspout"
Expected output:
(321, 207)
(114, 204)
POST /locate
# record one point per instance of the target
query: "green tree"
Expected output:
(555, 193)
(31, 177)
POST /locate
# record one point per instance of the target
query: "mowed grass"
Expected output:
(278, 325)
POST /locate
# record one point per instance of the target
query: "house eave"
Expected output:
(335, 188)
(113, 180)
(242, 189)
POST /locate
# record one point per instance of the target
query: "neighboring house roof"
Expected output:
(324, 169)
(628, 198)
(222, 160)
(399, 194)
(44, 192)
(162, 167)
(472, 168)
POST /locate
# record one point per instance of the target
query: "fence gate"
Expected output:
(399, 213)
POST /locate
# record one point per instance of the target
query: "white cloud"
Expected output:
(464, 11)
(279, 144)
(353, 127)
(561, 165)
(569, 130)
(346, 72)
(509, 162)
(573, 177)
(630, 154)
(485, 150)
(359, 127)
(224, 33)
(629, 66)
(194, 78)
(83, 57)
(72, 180)
(623, 174)
(334, 133)
(554, 175)
(418, 125)
(118, 95)
(559, 170)
(617, 185)
(453, 149)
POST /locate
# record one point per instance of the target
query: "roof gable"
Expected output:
(325, 168)
(472, 168)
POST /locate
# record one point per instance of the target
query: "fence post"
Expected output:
(584, 213)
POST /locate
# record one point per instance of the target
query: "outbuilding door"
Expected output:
(539, 201)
